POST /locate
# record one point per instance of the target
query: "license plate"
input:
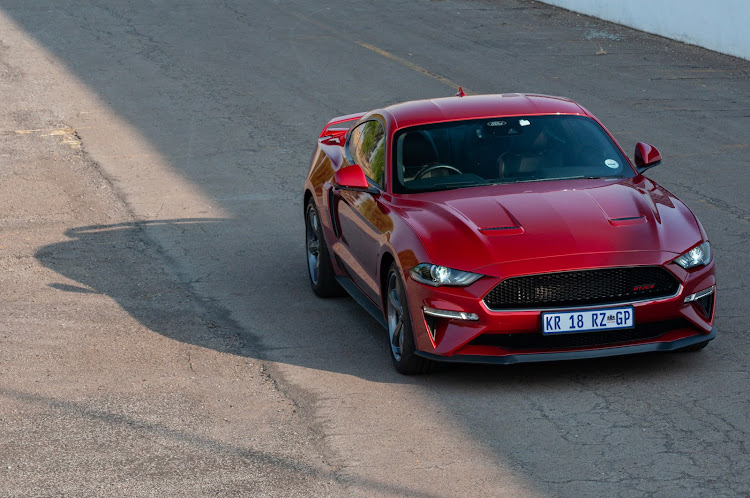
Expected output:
(588, 320)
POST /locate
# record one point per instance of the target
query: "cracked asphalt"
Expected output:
(158, 334)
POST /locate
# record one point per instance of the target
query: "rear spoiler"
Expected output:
(335, 131)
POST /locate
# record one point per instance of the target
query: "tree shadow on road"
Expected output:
(118, 261)
(122, 262)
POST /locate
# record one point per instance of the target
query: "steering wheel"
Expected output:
(434, 167)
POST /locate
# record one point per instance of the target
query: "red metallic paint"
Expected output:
(646, 155)
(549, 226)
(351, 177)
(340, 123)
(558, 218)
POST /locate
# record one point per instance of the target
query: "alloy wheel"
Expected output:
(313, 244)
(395, 317)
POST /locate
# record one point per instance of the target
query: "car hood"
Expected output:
(474, 228)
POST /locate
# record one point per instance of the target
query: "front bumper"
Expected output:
(505, 337)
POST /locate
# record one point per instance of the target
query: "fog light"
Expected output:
(698, 295)
(455, 315)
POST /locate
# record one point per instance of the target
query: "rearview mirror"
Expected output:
(646, 156)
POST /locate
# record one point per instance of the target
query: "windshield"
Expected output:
(504, 150)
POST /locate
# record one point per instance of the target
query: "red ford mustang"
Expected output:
(504, 229)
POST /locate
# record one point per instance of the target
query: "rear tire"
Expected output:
(319, 267)
(400, 333)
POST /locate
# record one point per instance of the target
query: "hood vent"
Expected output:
(504, 230)
(628, 220)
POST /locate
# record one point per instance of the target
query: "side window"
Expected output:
(367, 148)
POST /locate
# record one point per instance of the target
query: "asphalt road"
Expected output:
(159, 335)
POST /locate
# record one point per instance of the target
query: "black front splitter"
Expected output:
(511, 359)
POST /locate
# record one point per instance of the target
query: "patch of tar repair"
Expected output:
(68, 135)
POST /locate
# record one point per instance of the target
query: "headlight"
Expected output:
(699, 255)
(436, 275)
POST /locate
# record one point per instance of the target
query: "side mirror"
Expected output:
(646, 156)
(353, 178)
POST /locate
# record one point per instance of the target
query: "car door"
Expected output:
(362, 219)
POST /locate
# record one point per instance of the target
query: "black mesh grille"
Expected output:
(582, 288)
(579, 340)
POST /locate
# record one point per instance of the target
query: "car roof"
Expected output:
(420, 112)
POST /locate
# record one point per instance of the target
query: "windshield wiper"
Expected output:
(449, 186)
(581, 178)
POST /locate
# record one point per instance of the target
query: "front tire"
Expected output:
(400, 333)
(319, 267)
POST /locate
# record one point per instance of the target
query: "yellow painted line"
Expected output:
(61, 132)
(386, 54)
(67, 135)
(27, 132)
(49, 131)
(412, 66)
